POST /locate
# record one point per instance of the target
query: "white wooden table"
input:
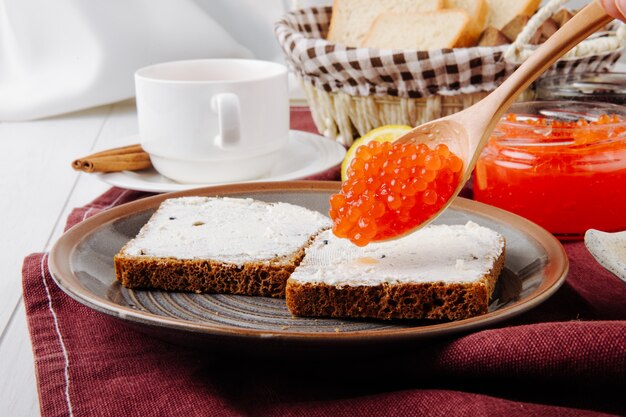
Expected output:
(39, 191)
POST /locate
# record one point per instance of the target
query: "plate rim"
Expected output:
(329, 145)
(59, 264)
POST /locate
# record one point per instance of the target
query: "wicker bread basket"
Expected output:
(353, 90)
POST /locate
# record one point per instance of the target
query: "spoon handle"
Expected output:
(591, 18)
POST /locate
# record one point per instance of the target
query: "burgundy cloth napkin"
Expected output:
(566, 357)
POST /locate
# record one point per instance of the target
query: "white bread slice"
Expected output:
(351, 19)
(219, 245)
(492, 37)
(439, 272)
(478, 11)
(424, 31)
(502, 12)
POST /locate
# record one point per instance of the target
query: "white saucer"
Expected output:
(306, 154)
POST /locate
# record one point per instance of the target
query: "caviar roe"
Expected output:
(566, 176)
(392, 188)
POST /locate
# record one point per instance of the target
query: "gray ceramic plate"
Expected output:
(81, 263)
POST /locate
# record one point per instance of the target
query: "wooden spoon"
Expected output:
(466, 133)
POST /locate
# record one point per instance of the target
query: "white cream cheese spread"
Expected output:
(230, 230)
(439, 253)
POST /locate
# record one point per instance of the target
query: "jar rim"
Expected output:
(585, 84)
(565, 109)
(568, 110)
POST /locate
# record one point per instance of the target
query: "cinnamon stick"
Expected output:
(126, 158)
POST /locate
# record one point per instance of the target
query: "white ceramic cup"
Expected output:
(213, 120)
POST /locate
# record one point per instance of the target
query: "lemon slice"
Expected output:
(387, 133)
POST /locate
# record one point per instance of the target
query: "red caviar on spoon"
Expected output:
(391, 188)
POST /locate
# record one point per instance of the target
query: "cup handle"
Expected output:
(226, 105)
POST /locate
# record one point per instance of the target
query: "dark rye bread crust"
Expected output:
(266, 278)
(432, 300)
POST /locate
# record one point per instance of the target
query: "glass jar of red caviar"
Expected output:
(561, 164)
